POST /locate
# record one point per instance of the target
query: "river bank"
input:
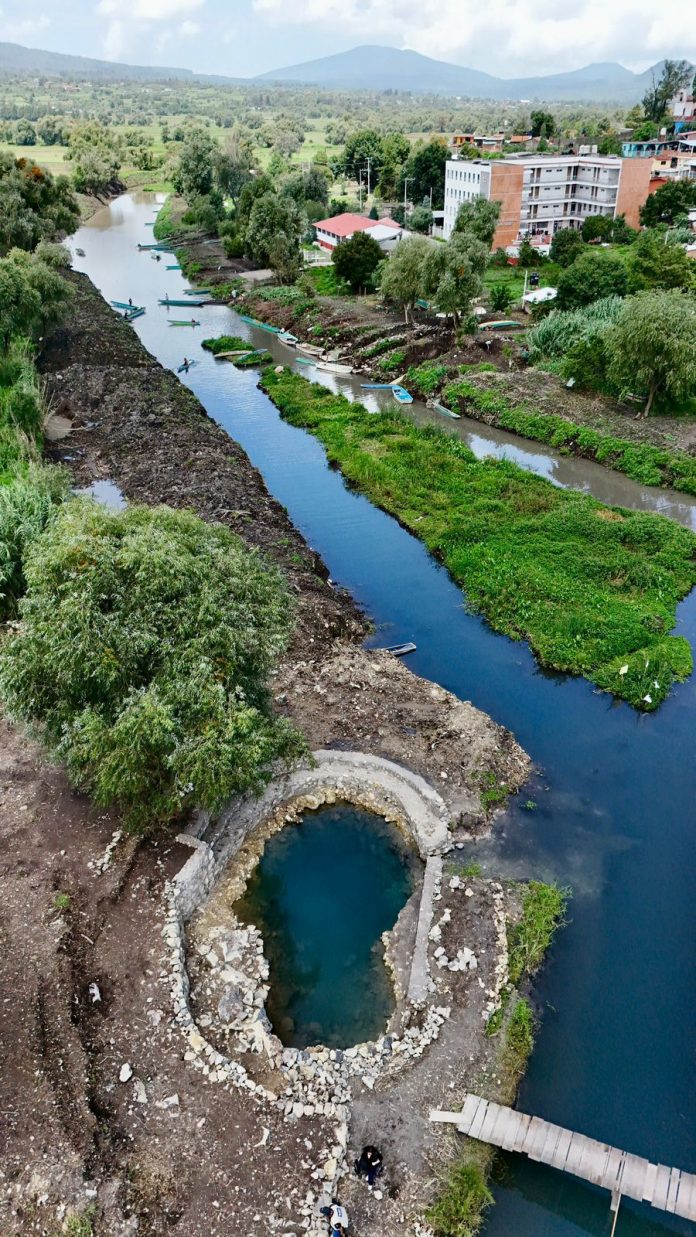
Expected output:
(134, 1149)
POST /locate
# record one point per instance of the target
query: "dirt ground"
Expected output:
(166, 1151)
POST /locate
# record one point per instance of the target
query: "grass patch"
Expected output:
(165, 226)
(591, 595)
(542, 911)
(325, 282)
(380, 347)
(226, 343)
(389, 364)
(426, 378)
(641, 462)
(463, 1200)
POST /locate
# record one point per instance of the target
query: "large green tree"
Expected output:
(274, 233)
(402, 276)
(34, 205)
(194, 176)
(453, 273)
(597, 273)
(675, 75)
(566, 245)
(424, 172)
(657, 263)
(32, 295)
(356, 260)
(147, 642)
(361, 146)
(478, 218)
(668, 203)
(651, 348)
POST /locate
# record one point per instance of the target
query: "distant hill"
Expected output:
(388, 68)
(17, 59)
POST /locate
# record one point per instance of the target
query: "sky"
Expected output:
(241, 38)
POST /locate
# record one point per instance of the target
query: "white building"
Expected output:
(540, 194)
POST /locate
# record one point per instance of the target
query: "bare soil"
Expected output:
(167, 1152)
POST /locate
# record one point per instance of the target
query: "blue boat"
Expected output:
(401, 395)
(173, 268)
(136, 312)
(184, 369)
(377, 386)
(264, 326)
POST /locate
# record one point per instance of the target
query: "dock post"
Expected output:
(614, 1206)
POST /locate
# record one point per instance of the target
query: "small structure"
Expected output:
(330, 232)
(539, 296)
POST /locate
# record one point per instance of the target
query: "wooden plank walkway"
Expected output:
(625, 1175)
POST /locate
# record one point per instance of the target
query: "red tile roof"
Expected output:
(346, 225)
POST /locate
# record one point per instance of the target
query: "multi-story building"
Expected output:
(539, 194)
(683, 109)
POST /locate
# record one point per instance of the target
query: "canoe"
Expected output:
(288, 338)
(148, 246)
(311, 349)
(185, 322)
(332, 367)
(183, 369)
(503, 325)
(186, 304)
(264, 326)
(400, 650)
(124, 305)
(194, 291)
(401, 395)
(376, 386)
(131, 314)
(304, 360)
(80, 253)
(173, 268)
(446, 412)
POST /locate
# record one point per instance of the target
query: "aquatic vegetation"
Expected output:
(585, 584)
(226, 343)
(543, 909)
(462, 1202)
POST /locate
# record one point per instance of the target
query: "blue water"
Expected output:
(322, 894)
(616, 792)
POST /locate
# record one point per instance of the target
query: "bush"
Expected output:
(426, 378)
(234, 245)
(356, 260)
(225, 343)
(543, 909)
(500, 297)
(560, 330)
(459, 1210)
(596, 274)
(28, 502)
(566, 245)
(143, 658)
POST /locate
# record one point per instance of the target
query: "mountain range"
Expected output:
(363, 68)
(388, 68)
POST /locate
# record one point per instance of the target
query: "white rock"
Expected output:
(125, 1073)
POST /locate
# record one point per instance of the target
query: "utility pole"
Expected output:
(360, 187)
(406, 180)
(369, 170)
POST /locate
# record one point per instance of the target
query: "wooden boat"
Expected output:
(194, 291)
(173, 268)
(304, 360)
(141, 247)
(184, 369)
(401, 395)
(333, 367)
(80, 253)
(187, 304)
(503, 325)
(123, 305)
(137, 312)
(149, 223)
(288, 338)
(264, 326)
(446, 412)
(400, 650)
(310, 349)
(376, 386)
(185, 322)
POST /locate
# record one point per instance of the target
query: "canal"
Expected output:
(615, 791)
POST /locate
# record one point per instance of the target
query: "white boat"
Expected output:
(333, 367)
(310, 349)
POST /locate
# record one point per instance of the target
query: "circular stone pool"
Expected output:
(322, 894)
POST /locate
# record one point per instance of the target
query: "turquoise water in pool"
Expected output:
(322, 894)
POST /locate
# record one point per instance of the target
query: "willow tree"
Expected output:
(651, 348)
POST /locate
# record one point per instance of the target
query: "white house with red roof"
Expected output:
(330, 232)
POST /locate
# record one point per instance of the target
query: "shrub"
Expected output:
(427, 377)
(558, 332)
(143, 657)
(594, 275)
(543, 909)
(500, 297)
(459, 1210)
(225, 343)
(28, 502)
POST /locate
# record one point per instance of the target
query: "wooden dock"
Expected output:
(623, 1174)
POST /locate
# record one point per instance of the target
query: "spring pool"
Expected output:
(322, 894)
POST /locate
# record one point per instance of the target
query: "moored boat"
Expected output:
(333, 367)
(401, 395)
(441, 408)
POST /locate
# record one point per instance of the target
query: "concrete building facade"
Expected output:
(540, 194)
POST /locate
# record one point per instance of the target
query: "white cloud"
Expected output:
(150, 10)
(188, 29)
(25, 28)
(510, 37)
(115, 41)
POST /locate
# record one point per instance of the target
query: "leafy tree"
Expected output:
(652, 347)
(32, 295)
(596, 274)
(527, 255)
(420, 219)
(96, 153)
(675, 75)
(479, 218)
(274, 232)
(425, 170)
(147, 642)
(542, 120)
(233, 164)
(501, 297)
(24, 134)
(255, 188)
(310, 186)
(609, 144)
(655, 263)
(34, 205)
(622, 233)
(668, 203)
(401, 280)
(195, 174)
(361, 146)
(356, 260)
(453, 273)
(566, 244)
(597, 228)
